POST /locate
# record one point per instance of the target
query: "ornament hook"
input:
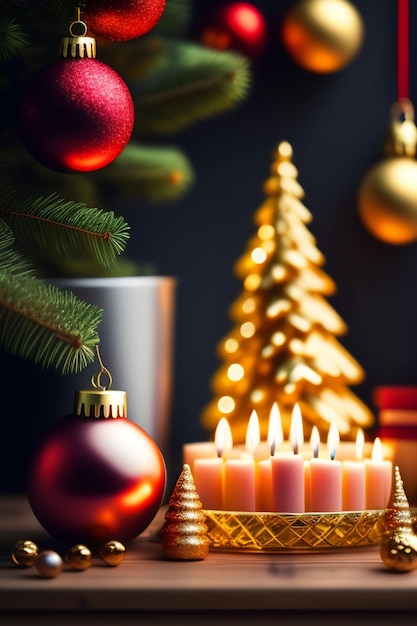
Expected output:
(96, 378)
(78, 28)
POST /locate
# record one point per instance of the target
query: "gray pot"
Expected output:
(136, 343)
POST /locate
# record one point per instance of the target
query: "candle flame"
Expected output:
(223, 439)
(296, 430)
(275, 434)
(315, 441)
(253, 433)
(376, 454)
(360, 443)
(333, 440)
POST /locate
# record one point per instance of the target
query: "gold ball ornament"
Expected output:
(323, 36)
(387, 200)
(24, 553)
(49, 564)
(113, 553)
(79, 557)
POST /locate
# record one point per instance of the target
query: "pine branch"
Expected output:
(155, 174)
(190, 83)
(49, 227)
(12, 38)
(40, 322)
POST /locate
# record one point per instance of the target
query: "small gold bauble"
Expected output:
(323, 36)
(25, 552)
(399, 551)
(79, 557)
(387, 200)
(49, 564)
(113, 553)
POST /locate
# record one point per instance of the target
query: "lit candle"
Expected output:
(326, 476)
(239, 485)
(264, 475)
(378, 478)
(288, 471)
(354, 478)
(208, 473)
(314, 444)
(198, 450)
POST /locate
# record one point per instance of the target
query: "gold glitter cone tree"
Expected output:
(283, 347)
(184, 533)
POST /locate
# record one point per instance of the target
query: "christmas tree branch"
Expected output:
(148, 173)
(12, 38)
(39, 321)
(203, 84)
(51, 227)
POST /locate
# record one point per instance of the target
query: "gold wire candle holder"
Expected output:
(231, 531)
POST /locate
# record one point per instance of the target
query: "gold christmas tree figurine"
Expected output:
(283, 346)
(184, 533)
(399, 542)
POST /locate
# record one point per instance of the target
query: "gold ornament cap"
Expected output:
(78, 45)
(402, 133)
(100, 403)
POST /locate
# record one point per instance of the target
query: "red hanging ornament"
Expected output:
(121, 20)
(76, 115)
(238, 26)
(96, 476)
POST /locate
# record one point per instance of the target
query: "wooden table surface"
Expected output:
(351, 586)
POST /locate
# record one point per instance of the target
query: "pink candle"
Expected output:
(307, 486)
(208, 472)
(264, 486)
(354, 479)
(288, 471)
(326, 478)
(208, 479)
(198, 450)
(239, 485)
(240, 476)
(288, 482)
(378, 478)
(264, 470)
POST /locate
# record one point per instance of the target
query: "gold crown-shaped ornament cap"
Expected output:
(402, 133)
(78, 45)
(100, 403)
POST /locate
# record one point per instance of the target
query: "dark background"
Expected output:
(336, 124)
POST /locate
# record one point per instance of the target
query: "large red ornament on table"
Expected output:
(237, 26)
(76, 115)
(122, 20)
(96, 476)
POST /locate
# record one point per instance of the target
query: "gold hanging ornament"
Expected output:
(388, 193)
(399, 542)
(387, 200)
(323, 36)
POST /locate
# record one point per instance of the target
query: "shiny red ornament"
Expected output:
(122, 20)
(76, 115)
(93, 480)
(237, 26)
